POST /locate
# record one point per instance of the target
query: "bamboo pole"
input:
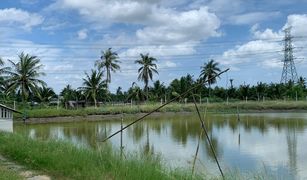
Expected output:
(208, 139)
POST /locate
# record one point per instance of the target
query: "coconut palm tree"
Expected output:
(135, 93)
(68, 94)
(109, 62)
(24, 76)
(148, 67)
(3, 79)
(3, 70)
(45, 94)
(209, 71)
(93, 84)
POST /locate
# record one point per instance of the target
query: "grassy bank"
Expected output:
(64, 160)
(174, 107)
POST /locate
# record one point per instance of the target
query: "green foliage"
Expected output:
(108, 62)
(64, 160)
(209, 71)
(24, 76)
(93, 85)
(217, 107)
(148, 67)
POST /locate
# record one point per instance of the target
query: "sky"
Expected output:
(69, 35)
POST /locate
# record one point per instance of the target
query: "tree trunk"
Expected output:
(95, 101)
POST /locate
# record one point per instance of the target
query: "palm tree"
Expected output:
(148, 67)
(4, 69)
(24, 76)
(108, 61)
(45, 94)
(136, 93)
(68, 94)
(93, 84)
(209, 71)
(3, 80)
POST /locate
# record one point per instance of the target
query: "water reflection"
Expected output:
(273, 141)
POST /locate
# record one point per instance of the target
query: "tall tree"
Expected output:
(136, 93)
(148, 67)
(24, 75)
(209, 71)
(108, 62)
(45, 94)
(3, 82)
(68, 94)
(93, 83)
(3, 70)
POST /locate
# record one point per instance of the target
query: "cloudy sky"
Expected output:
(68, 36)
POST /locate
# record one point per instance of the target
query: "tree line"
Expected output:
(21, 82)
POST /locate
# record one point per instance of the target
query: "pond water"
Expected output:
(272, 142)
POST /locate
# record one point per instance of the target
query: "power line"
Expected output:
(121, 45)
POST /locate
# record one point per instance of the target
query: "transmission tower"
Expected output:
(289, 70)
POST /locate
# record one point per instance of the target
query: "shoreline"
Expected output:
(93, 118)
(116, 117)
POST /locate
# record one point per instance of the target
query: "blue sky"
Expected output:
(68, 36)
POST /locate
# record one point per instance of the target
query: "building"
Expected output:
(6, 118)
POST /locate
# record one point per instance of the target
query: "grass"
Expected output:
(174, 107)
(64, 160)
(8, 174)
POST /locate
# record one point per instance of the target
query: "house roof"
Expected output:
(11, 109)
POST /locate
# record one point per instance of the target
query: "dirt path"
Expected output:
(22, 171)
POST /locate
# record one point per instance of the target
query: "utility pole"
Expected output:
(289, 70)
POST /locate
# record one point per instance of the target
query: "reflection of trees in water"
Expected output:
(136, 131)
(80, 133)
(218, 150)
(181, 129)
(147, 148)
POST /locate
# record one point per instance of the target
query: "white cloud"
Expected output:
(252, 17)
(172, 26)
(82, 34)
(13, 16)
(158, 23)
(266, 50)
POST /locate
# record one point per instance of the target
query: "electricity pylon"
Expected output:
(289, 70)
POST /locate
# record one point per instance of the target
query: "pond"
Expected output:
(272, 142)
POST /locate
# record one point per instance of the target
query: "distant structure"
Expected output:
(6, 118)
(289, 70)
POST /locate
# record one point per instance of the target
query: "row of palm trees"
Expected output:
(22, 78)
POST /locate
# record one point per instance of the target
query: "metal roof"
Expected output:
(11, 109)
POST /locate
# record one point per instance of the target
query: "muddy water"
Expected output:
(272, 142)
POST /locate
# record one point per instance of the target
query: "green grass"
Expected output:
(174, 107)
(64, 160)
(8, 174)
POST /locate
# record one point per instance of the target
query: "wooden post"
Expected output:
(14, 104)
(121, 137)
(161, 101)
(58, 102)
(227, 100)
(238, 115)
